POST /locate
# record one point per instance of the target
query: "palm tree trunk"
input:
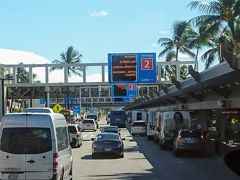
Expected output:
(177, 50)
(196, 60)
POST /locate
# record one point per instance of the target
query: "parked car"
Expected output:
(138, 127)
(111, 129)
(35, 146)
(75, 134)
(89, 124)
(189, 140)
(107, 143)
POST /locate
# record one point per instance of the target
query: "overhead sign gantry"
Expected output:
(126, 70)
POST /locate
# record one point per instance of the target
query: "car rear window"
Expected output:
(187, 134)
(92, 117)
(139, 124)
(88, 121)
(26, 140)
(107, 137)
(72, 129)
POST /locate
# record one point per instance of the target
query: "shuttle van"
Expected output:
(34, 146)
(171, 123)
(151, 123)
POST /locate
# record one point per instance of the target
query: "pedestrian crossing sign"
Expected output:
(57, 108)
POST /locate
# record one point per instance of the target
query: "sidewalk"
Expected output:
(223, 148)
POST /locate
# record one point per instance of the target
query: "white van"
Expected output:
(34, 146)
(170, 124)
(151, 123)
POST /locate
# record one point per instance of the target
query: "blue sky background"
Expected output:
(94, 27)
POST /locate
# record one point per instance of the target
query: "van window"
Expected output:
(72, 129)
(62, 138)
(92, 117)
(26, 140)
(139, 116)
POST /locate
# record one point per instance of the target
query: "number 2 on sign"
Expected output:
(147, 63)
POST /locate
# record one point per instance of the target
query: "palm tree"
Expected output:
(71, 56)
(170, 71)
(219, 14)
(199, 38)
(23, 75)
(214, 43)
(178, 41)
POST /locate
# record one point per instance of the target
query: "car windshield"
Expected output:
(26, 140)
(109, 136)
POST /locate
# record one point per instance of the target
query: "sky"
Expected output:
(42, 29)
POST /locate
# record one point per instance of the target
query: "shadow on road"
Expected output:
(128, 176)
(89, 157)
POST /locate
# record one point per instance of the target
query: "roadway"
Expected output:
(143, 159)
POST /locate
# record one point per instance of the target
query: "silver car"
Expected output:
(138, 127)
(89, 124)
(189, 140)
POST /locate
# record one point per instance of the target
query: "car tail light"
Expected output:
(55, 162)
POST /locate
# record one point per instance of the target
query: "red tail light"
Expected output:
(179, 138)
(55, 162)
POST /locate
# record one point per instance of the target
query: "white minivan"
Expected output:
(34, 146)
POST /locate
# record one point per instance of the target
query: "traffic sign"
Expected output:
(76, 109)
(57, 108)
(132, 68)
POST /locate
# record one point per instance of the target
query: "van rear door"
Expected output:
(39, 159)
(12, 149)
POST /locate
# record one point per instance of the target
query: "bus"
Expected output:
(118, 118)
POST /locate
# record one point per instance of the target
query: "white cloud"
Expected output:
(163, 32)
(99, 13)
(8, 56)
(154, 45)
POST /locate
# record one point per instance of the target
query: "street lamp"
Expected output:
(5, 78)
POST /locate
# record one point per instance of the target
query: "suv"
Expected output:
(138, 127)
(189, 140)
(89, 124)
(75, 135)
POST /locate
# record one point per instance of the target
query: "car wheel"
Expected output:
(122, 155)
(70, 173)
(62, 175)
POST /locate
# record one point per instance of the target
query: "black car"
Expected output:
(110, 129)
(75, 135)
(107, 144)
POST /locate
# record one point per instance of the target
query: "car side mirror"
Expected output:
(123, 139)
(119, 129)
(92, 139)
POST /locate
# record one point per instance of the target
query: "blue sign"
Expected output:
(42, 101)
(76, 109)
(132, 68)
(70, 100)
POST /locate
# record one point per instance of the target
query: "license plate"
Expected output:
(108, 149)
(188, 139)
(12, 176)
